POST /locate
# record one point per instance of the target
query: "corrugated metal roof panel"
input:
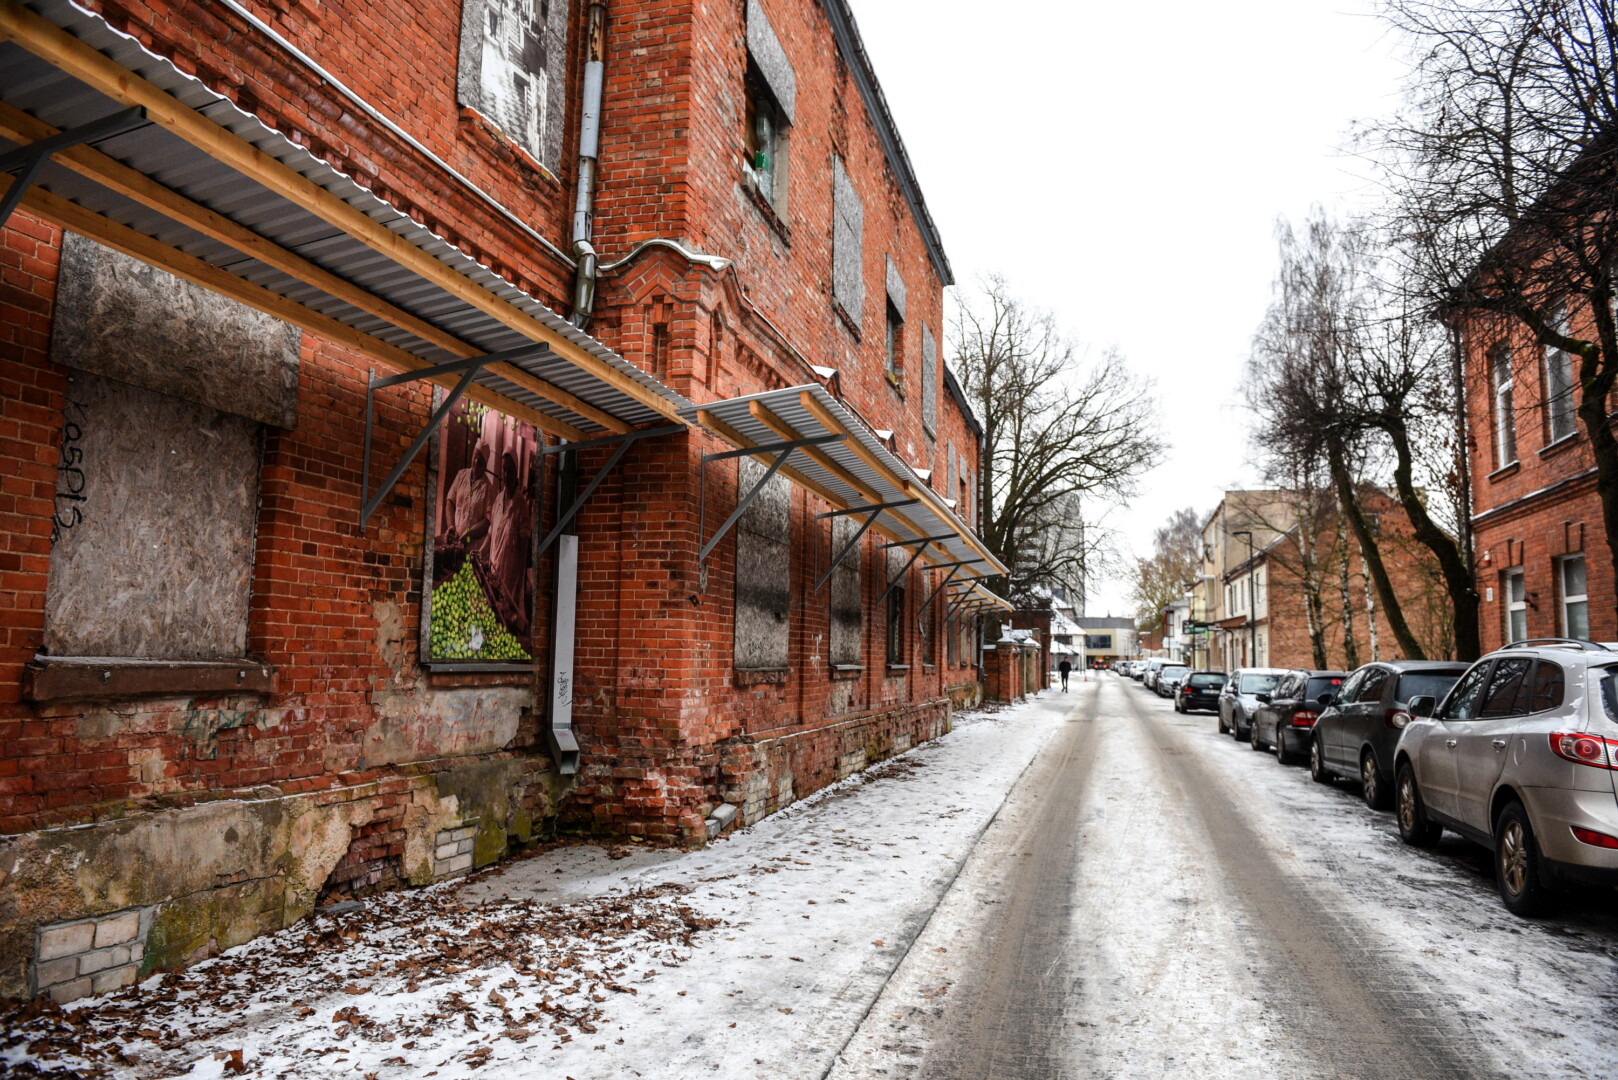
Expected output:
(930, 516)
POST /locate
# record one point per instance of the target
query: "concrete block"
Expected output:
(92, 962)
(723, 817)
(464, 833)
(115, 979)
(458, 864)
(445, 851)
(66, 940)
(120, 928)
(51, 972)
(122, 954)
(464, 847)
(70, 991)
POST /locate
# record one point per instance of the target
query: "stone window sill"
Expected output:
(1504, 471)
(1552, 449)
(846, 671)
(896, 380)
(900, 668)
(68, 678)
(761, 676)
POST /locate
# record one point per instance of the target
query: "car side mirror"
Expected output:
(1263, 699)
(1326, 699)
(1422, 705)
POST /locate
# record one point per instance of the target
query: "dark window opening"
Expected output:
(894, 359)
(896, 625)
(764, 138)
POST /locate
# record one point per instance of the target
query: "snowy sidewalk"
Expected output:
(758, 956)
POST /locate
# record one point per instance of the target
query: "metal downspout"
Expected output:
(563, 745)
(584, 252)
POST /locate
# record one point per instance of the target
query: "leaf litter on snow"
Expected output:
(408, 976)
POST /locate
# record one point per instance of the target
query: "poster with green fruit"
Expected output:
(481, 607)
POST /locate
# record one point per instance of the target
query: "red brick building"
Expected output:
(289, 616)
(1544, 566)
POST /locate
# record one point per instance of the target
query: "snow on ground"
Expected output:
(1539, 994)
(756, 956)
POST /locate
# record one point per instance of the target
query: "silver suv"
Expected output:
(1521, 757)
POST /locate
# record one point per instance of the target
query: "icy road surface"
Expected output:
(1084, 886)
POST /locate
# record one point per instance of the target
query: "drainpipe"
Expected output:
(595, 69)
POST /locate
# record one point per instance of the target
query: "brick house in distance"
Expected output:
(335, 558)
(1261, 614)
(1541, 551)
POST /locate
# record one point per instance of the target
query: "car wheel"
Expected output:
(1236, 731)
(1282, 754)
(1516, 863)
(1317, 764)
(1253, 740)
(1223, 727)
(1414, 828)
(1373, 789)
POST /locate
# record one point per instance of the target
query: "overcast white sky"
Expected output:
(1123, 165)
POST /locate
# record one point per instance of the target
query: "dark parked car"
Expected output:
(1286, 715)
(1239, 699)
(1356, 734)
(1199, 690)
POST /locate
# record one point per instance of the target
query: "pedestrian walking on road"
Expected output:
(1064, 667)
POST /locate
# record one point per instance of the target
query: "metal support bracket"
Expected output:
(782, 451)
(923, 541)
(468, 369)
(26, 161)
(921, 546)
(938, 590)
(624, 441)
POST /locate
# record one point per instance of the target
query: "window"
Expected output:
(765, 139)
(896, 624)
(893, 353)
(847, 245)
(1505, 421)
(771, 99)
(1548, 687)
(1376, 683)
(1575, 610)
(1326, 684)
(1463, 701)
(1435, 684)
(763, 561)
(1351, 689)
(1500, 698)
(1559, 414)
(1516, 595)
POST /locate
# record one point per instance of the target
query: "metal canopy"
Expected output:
(208, 191)
(855, 474)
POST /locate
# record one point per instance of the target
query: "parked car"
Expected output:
(1285, 718)
(1199, 690)
(1356, 734)
(1521, 757)
(1239, 699)
(1148, 677)
(1137, 671)
(1168, 677)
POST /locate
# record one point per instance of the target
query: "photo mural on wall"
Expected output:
(481, 606)
(512, 70)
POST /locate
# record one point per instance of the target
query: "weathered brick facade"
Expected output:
(1534, 500)
(353, 766)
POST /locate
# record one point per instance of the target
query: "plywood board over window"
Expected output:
(763, 580)
(846, 600)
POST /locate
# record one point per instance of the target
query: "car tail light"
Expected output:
(1395, 718)
(1304, 719)
(1585, 749)
(1593, 838)
(1186, 690)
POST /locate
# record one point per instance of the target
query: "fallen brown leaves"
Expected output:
(418, 959)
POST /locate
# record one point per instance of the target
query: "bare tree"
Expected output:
(1505, 168)
(1175, 562)
(1302, 382)
(1057, 432)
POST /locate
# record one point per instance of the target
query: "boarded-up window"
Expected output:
(847, 240)
(157, 561)
(763, 565)
(846, 609)
(512, 68)
(897, 609)
(929, 380)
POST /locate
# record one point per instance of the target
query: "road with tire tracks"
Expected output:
(1156, 900)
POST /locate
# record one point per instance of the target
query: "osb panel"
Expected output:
(117, 316)
(844, 588)
(159, 564)
(763, 565)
